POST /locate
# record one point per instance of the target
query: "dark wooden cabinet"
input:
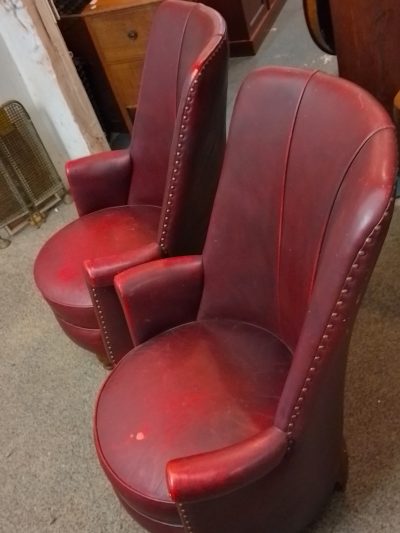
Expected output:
(91, 72)
(248, 22)
(367, 41)
(108, 41)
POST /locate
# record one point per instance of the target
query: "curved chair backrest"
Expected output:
(179, 131)
(308, 173)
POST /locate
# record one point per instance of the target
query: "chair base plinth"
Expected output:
(87, 338)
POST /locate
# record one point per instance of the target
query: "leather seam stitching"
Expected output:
(348, 169)
(189, 14)
(283, 195)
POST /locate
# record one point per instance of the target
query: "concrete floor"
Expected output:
(50, 477)
(288, 43)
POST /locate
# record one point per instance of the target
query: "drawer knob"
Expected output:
(133, 35)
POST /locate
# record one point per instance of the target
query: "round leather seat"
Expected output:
(59, 266)
(196, 388)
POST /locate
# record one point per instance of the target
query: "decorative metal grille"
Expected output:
(29, 183)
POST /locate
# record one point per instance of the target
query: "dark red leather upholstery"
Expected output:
(228, 416)
(232, 356)
(166, 180)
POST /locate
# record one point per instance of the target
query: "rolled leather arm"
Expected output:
(100, 180)
(213, 474)
(160, 295)
(100, 272)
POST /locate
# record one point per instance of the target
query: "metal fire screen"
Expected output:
(29, 183)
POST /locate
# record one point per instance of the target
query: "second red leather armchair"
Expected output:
(153, 199)
(228, 415)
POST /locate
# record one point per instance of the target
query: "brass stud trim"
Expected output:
(187, 109)
(103, 327)
(329, 328)
(185, 519)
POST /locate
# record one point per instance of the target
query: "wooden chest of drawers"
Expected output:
(119, 30)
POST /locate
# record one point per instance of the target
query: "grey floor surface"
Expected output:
(50, 480)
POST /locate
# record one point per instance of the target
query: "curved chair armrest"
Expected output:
(160, 295)
(100, 272)
(213, 474)
(100, 180)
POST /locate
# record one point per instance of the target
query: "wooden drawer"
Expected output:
(122, 35)
(126, 79)
(119, 30)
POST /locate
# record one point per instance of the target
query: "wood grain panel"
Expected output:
(126, 81)
(120, 36)
(123, 35)
(367, 37)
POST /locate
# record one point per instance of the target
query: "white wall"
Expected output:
(27, 75)
(12, 87)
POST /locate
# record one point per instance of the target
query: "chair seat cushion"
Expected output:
(195, 388)
(59, 265)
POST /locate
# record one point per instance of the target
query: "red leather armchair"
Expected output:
(153, 199)
(228, 415)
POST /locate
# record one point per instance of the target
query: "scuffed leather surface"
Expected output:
(100, 180)
(160, 295)
(301, 212)
(196, 388)
(59, 265)
(101, 271)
